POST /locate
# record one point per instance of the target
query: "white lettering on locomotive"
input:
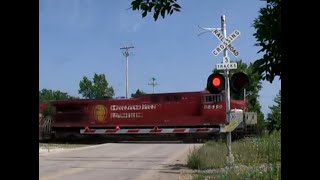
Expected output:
(126, 115)
(133, 107)
(130, 108)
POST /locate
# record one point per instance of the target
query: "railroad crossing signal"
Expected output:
(216, 82)
(226, 42)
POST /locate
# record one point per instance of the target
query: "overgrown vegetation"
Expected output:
(255, 158)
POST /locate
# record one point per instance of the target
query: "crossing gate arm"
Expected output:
(150, 131)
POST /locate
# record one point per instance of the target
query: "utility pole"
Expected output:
(126, 54)
(153, 83)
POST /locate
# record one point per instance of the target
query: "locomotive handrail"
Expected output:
(45, 127)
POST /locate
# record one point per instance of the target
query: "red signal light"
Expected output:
(216, 81)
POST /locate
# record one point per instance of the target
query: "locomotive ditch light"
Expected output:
(238, 82)
(215, 83)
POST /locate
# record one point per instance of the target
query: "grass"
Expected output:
(208, 156)
(255, 158)
(255, 172)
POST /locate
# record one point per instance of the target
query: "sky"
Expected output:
(82, 37)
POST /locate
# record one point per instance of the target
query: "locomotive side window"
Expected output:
(172, 98)
(212, 98)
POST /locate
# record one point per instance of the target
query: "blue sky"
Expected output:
(82, 37)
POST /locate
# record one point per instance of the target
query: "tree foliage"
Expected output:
(49, 95)
(274, 117)
(268, 30)
(252, 91)
(137, 93)
(157, 7)
(96, 89)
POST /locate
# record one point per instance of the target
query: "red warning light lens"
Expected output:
(216, 81)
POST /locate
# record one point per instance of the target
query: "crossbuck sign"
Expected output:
(226, 43)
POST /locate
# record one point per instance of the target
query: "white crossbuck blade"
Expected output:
(226, 42)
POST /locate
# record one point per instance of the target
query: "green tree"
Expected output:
(96, 89)
(49, 95)
(137, 93)
(157, 7)
(268, 30)
(274, 117)
(252, 91)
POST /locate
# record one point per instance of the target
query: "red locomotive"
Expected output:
(166, 113)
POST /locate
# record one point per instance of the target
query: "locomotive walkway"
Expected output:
(116, 161)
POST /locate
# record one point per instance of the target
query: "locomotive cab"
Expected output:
(213, 109)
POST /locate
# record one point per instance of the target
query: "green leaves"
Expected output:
(177, 6)
(162, 7)
(96, 89)
(268, 30)
(49, 95)
(86, 88)
(135, 4)
(144, 13)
